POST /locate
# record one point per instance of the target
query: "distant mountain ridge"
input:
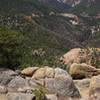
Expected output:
(67, 2)
(71, 3)
(91, 7)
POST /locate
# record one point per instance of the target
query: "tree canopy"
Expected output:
(9, 47)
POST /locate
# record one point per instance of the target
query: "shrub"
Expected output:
(40, 93)
(9, 48)
(93, 57)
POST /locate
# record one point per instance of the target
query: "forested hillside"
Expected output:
(45, 33)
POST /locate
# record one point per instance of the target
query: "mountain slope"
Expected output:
(92, 7)
(46, 37)
(23, 6)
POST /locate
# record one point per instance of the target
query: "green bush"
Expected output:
(93, 57)
(9, 48)
(40, 93)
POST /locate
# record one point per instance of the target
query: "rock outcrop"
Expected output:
(89, 56)
(76, 55)
(54, 80)
(53, 84)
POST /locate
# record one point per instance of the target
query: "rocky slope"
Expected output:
(46, 83)
(80, 82)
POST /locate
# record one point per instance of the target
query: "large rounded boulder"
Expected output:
(89, 56)
(62, 85)
(83, 70)
(29, 71)
(44, 72)
(76, 55)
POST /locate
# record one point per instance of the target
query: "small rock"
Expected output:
(25, 90)
(20, 96)
(18, 72)
(84, 83)
(94, 89)
(3, 90)
(6, 75)
(18, 82)
(83, 87)
(51, 97)
(60, 72)
(32, 83)
(21, 90)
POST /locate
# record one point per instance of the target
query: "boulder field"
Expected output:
(57, 84)
(80, 82)
(56, 81)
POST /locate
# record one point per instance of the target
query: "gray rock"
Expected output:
(10, 73)
(94, 88)
(60, 97)
(83, 87)
(30, 91)
(18, 82)
(18, 72)
(25, 89)
(60, 72)
(62, 85)
(10, 89)
(32, 83)
(84, 83)
(20, 96)
(35, 83)
(6, 76)
(51, 97)
(3, 90)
